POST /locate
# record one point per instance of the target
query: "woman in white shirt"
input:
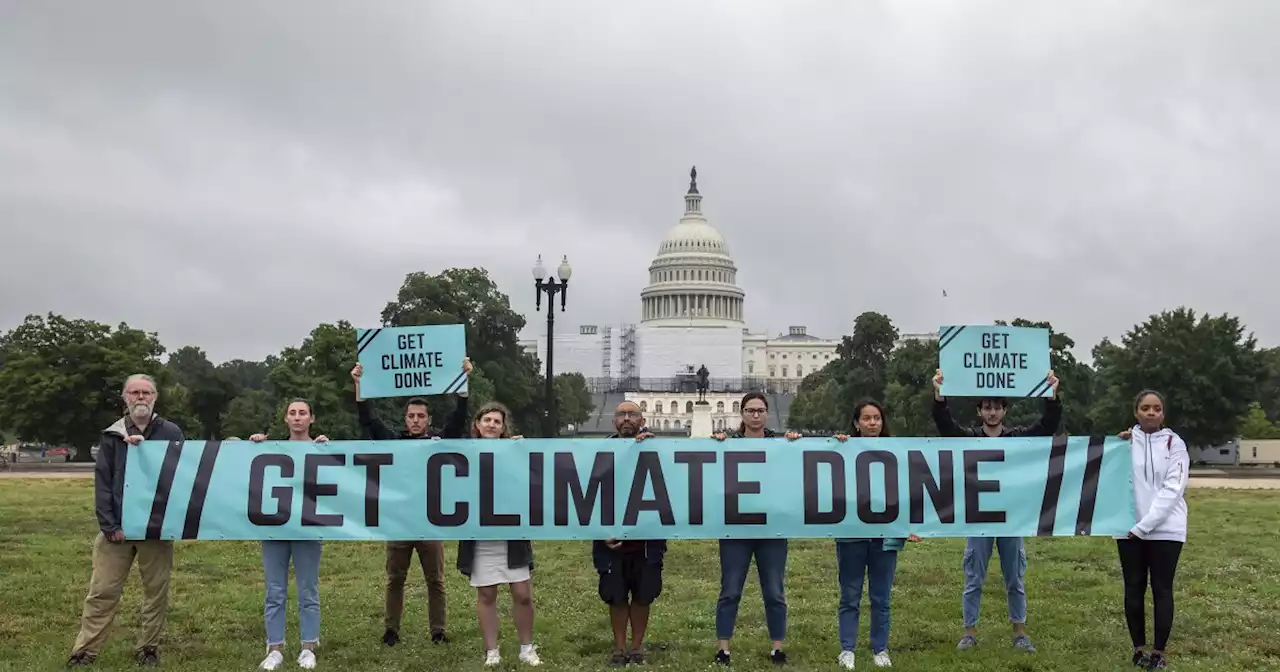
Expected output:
(1150, 551)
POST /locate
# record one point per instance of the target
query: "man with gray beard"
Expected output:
(113, 555)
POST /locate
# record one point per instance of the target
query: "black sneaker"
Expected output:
(438, 637)
(148, 656)
(390, 637)
(778, 657)
(1157, 662)
(79, 659)
(1141, 659)
(722, 657)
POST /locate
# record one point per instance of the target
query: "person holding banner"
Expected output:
(417, 425)
(978, 550)
(113, 555)
(874, 559)
(1150, 552)
(490, 564)
(630, 571)
(305, 556)
(736, 554)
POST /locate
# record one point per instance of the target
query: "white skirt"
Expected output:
(489, 567)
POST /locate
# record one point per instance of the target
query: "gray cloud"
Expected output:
(265, 169)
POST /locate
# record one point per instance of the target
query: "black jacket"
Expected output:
(108, 472)
(519, 554)
(1047, 425)
(454, 428)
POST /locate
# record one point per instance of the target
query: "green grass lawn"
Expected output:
(1228, 600)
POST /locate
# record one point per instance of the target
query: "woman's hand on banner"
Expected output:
(643, 435)
(913, 537)
(257, 438)
(792, 436)
(322, 439)
(720, 436)
(841, 437)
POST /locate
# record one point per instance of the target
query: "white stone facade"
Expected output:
(675, 410)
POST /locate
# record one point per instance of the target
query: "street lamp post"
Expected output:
(548, 285)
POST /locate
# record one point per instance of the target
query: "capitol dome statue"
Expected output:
(693, 280)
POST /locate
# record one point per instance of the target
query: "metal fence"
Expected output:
(679, 384)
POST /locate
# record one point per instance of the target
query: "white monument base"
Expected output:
(702, 427)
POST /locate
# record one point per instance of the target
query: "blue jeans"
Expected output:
(306, 575)
(771, 565)
(1013, 565)
(856, 559)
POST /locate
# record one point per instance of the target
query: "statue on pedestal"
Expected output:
(704, 383)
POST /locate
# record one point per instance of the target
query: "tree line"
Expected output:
(60, 377)
(1218, 384)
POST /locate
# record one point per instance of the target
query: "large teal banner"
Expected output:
(656, 489)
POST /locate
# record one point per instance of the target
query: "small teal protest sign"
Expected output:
(412, 361)
(994, 361)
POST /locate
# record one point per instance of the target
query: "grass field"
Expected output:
(1228, 600)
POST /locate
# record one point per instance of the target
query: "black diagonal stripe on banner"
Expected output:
(952, 337)
(372, 334)
(164, 483)
(456, 384)
(1089, 493)
(364, 333)
(1039, 388)
(945, 333)
(195, 507)
(1052, 486)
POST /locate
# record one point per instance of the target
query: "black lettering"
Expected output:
(488, 518)
(974, 486)
(414, 379)
(373, 464)
(283, 494)
(696, 459)
(537, 491)
(435, 491)
(648, 469)
(968, 360)
(312, 489)
(600, 483)
(388, 362)
(409, 341)
(1052, 487)
(734, 488)
(813, 515)
(1002, 380)
(164, 484)
(862, 470)
(921, 480)
(1020, 360)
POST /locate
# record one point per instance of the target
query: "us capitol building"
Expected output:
(692, 314)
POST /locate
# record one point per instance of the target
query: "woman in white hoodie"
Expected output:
(1150, 551)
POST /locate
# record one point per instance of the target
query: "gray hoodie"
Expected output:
(108, 473)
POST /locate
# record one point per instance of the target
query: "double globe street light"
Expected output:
(548, 285)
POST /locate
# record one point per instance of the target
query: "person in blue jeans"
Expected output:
(736, 554)
(876, 560)
(305, 556)
(977, 551)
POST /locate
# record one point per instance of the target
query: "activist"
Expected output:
(978, 550)
(874, 559)
(1151, 550)
(736, 554)
(490, 564)
(417, 424)
(305, 555)
(630, 571)
(113, 554)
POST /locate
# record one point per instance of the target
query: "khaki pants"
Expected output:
(111, 566)
(399, 560)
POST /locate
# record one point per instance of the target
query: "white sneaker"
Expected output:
(307, 659)
(529, 656)
(492, 658)
(882, 659)
(846, 660)
(273, 661)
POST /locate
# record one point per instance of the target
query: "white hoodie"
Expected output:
(1161, 467)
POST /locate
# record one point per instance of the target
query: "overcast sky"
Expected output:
(232, 174)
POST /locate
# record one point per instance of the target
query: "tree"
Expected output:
(573, 400)
(247, 375)
(909, 392)
(826, 397)
(319, 371)
(1075, 390)
(469, 297)
(62, 379)
(1255, 426)
(251, 412)
(1269, 390)
(209, 390)
(1208, 370)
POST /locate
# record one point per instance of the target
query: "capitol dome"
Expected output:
(693, 280)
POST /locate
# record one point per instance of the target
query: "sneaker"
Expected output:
(1023, 643)
(1157, 662)
(1141, 659)
(882, 659)
(273, 661)
(79, 659)
(307, 659)
(846, 660)
(438, 637)
(529, 656)
(637, 656)
(492, 658)
(778, 657)
(148, 655)
(619, 658)
(390, 637)
(967, 642)
(722, 657)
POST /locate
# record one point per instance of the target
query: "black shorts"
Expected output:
(632, 581)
